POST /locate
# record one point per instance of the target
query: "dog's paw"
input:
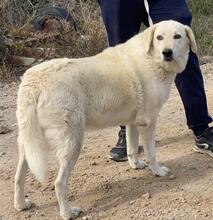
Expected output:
(23, 206)
(71, 214)
(161, 171)
(140, 164)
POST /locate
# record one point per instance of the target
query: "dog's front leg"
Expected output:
(150, 152)
(132, 148)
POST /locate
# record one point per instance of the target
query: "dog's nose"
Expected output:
(167, 53)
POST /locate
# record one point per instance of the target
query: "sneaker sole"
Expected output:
(140, 150)
(202, 151)
(118, 160)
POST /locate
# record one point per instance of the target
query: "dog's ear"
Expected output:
(191, 37)
(148, 36)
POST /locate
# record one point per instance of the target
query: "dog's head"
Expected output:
(170, 43)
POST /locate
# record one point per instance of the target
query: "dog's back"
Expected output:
(123, 85)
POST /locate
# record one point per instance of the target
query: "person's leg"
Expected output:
(122, 20)
(190, 82)
(191, 88)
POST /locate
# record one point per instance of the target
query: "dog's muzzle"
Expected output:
(167, 54)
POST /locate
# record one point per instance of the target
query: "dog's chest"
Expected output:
(155, 94)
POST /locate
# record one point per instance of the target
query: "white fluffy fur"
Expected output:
(123, 85)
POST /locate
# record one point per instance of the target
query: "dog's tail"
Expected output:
(30, 133)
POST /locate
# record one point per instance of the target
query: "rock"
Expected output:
(28, 215)
(146, 195)
(93, 163)
(132, 202)
(2, 154)
(4, 129)
(102, 214)
(172, 177)
(87, 217)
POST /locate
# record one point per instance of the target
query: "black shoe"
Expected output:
(119, 152)
(204, 142)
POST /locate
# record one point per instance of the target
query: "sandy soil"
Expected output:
(108, 190)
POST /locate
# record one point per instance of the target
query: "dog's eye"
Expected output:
(159, 37)
(177, 36)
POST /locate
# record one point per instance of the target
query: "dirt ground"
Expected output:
(112, 191)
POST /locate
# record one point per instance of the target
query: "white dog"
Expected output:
(126, 84)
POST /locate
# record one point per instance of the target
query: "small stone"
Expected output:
(4, 129)
(146, 195)
(7, 178)
(172, 177)
(132, 202)
(197, 202)
(2, 154)
(87, 217)
(28, 216)
(101, 214)
(14, 125)
(93, 163)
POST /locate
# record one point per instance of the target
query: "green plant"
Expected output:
(202, 11)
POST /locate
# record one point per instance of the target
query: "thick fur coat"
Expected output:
(124, 85)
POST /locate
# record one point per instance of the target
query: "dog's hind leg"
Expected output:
(20, 203)
(71, 141)
(150, 152)
(132, 148)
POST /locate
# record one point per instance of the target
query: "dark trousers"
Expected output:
(123, 18)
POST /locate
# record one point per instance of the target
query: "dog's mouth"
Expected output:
(168, 59)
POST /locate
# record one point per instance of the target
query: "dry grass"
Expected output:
(88, 40)
(90, 37)
(202, 11)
